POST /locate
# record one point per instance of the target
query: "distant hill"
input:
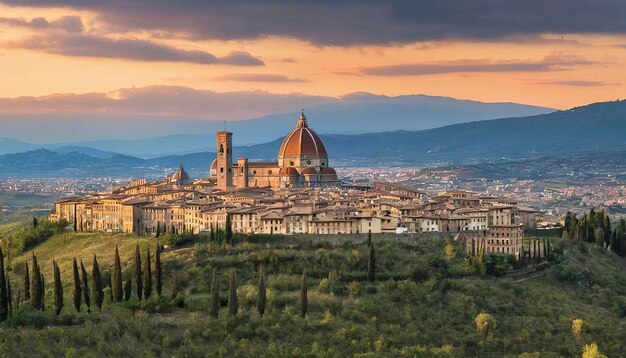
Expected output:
(352, 114)
(594, 128)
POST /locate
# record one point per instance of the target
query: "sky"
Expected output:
(56, 55)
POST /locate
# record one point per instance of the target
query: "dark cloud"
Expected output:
(85, 45)
(353, 22)
(577, 83)
(554, 62)
(257, 77)
(65, 23)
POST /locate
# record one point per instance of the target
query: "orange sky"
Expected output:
(570, 70)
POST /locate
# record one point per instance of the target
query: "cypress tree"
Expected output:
(158, 272)
(229, 230)
(137, 273)
(58, 289)
(128, 289)
(36, 285)
(158, 233)
(174, 287)
(26, 283)
(9, 297)
(43, 292)
(147, 275)
(371, 264)
(77, 288)
(212, 235)
(116, 288)
(4, 305)
(35, 223)
(262, 300)
(85, 286)
(369, 238)
(304, 299)
(215, 295)
(233, 304)
(98, 293)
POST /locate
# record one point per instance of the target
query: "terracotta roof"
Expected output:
(288, 171)
(301, 141)
(309, 171)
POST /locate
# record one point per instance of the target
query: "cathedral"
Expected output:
(302, 162)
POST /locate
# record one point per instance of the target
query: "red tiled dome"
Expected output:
(288, 171)
(301, 141)
(329, 171)
(309, 171)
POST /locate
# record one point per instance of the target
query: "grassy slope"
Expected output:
(388, 318)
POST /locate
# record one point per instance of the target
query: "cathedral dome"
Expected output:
(288, 171)
(213, 170)
(181, 176)
(302, 141)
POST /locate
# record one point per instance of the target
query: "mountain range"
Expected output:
(357, 113)
(594, 128)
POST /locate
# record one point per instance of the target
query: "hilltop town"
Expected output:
(298, 194)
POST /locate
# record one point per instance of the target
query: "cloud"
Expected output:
(357, 22)
(65, 23)
(163, 101)
(577, 83)
(85, 45)
(257, 77)
(553, 62)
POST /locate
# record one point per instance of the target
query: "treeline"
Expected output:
(31, 235)
(595, 227)
(146, 278)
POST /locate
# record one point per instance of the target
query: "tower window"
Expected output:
(221, 169)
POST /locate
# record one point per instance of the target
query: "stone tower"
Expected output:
(224, 160)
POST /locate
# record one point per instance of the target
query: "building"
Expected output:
(302, 162)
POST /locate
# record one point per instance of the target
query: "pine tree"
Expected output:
(4, 305)
(174, 293)
(158, 272)
(137, 273)
(262, 300)
(147, 275)
(215, 295)
(371, 264)
(85, 286)
(26, 282)
(116, 288)
(36, 286)
(98, 293)
(128, 289)
(58, 289)
(233, 304)
(77, 287)
(304, 300)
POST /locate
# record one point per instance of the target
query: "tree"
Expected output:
(128, 289)
(212, 235)
(98, 293)
(592, 351)
(36, 286)
(174, 293)
(137, 273)
(35, 222)
(26, 282)
(215, 295)
(158, 271)
(77, 287)
(158, 232)
(58, 289)
(85, 286)
(371, 264)
(262, 300)
(229, 230)
(233, 304)
(485, 325)
(147, 275)
(43, 292)
(4, 305)
(304, 300)
(9, 297)
(577, 328)
(116, 279)
(369, 238)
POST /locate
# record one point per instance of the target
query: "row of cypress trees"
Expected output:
(233, 301)
(34, 284)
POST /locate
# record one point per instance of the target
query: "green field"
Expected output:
(419, 304)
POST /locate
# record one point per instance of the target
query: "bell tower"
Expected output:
(224, 160)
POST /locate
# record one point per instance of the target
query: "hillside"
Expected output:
(414, 308)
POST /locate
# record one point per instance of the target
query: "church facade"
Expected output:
(302, 162)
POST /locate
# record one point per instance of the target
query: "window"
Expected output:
(221, 169)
